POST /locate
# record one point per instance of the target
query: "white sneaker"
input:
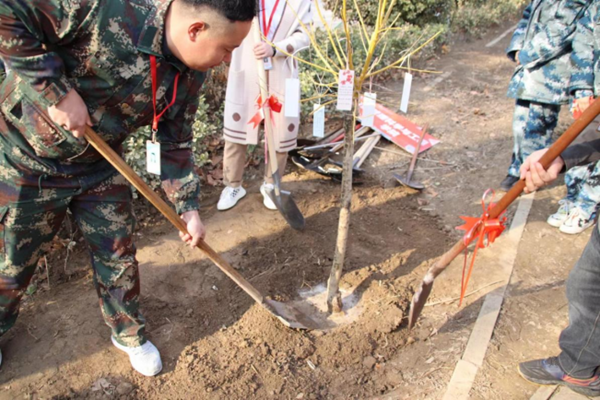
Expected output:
(229, 197)
(557, 219)
(264, 189)
(577, 222)
(145, 359)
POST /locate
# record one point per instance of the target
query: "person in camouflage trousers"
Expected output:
(541, 48)
(578, 209)
(81, 63)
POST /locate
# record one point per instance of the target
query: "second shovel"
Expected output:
(407, 180)
(283, 200)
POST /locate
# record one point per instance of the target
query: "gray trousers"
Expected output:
(580, 341)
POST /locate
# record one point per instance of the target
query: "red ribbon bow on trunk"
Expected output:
(479, 228)
(274, 106)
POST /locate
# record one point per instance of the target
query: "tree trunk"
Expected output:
(334, 297)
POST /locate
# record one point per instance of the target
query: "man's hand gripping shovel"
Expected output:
(288, 315)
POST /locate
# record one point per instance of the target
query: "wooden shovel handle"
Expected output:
(553, 152)
(116, 161)
(264, 93)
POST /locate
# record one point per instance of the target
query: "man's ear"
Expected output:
(195, 29)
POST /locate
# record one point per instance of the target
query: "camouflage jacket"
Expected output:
(100, 48)
(585, 77)
(543, 39)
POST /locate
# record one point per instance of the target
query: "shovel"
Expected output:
(283, 200)
(420, 297)
(287, 314)
(406, 181)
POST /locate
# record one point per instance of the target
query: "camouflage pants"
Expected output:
(533, 125)
(583, 187)
(583, 182)
(31, 217)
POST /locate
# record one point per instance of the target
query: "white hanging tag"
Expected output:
(318, 120)
(267, 63)
(367, 116)
(406, 92)
(292, 98)
(345, 90)
(153, 157)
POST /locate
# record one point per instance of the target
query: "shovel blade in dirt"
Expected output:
(286, 205)
(289, 315)
(408, 183)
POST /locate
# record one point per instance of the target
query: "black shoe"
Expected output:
(549, 372)
(508, 182)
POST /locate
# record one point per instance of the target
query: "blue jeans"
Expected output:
(580, 341)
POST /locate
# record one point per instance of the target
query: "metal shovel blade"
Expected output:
(411, 184)
(288, 208)
(289, 315)
(418, 302)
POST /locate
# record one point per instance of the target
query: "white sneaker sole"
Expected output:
(225, 208)
(574, 230)
(268, 203)
(124, 350)
(555, 222)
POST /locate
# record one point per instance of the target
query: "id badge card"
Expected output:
(267, 63)
(153, 157)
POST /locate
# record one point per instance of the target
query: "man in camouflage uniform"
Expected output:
(578, 209)
(541, 47)
(88, 62)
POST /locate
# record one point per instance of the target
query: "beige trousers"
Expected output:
(234, 160)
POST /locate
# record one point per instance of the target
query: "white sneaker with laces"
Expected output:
(264, 189)
(577, 222)
(229, 197)
(560, 216)
(145, 359)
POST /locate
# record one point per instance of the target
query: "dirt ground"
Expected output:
(217, 343)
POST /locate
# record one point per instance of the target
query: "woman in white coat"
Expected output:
(281, 18)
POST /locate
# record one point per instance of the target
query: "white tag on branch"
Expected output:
(319, 120)
(153, 157)
(267, 63)
(406, 92)
(367, 116)
(345, 90)
(292, 98)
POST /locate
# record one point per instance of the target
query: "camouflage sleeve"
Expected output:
(179, 180)
(554, 37)
(516, 43)
(29, 29)
(582, 57)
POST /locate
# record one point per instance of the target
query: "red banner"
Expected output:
(400, 130)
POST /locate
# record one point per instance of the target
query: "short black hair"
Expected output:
(233, 10)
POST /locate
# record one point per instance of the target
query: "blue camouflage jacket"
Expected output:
(543, 39)
(585, 78)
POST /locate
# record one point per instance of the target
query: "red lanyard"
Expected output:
(154, 89)
(267, 28)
